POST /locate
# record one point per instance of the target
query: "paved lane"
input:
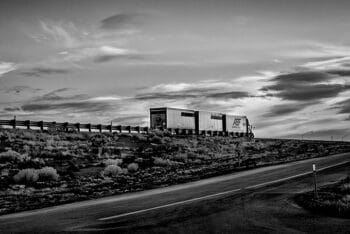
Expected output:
(79, 215)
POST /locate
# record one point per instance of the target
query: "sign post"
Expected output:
(315, 181)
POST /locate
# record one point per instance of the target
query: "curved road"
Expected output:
(91, 216)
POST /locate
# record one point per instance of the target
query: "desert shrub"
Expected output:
(76, 137)
(166, 139)
(11, 155)
(345, 188)
(164, 162)
(156, 139)
(31, 163)
(26, 176)
(192, 155)
(203, 157)
(181, 157)
(202, 150)
(158, 132)
(48, 174)
(28, 135)
(140, 137)
(116, 162)
(112, 170)
(132, 167)
(167, 133)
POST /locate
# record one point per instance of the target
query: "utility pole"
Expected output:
(315, 181)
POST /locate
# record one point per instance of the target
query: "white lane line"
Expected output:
(216, 194)
(170, 204)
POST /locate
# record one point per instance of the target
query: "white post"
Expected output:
(315, 181)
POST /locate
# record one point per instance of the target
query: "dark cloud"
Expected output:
(304, 86)
(73, 107)
(110, 57)
(229, 95)
(54, 96)
(312, 92)
(339, 72)
(343, 106)
(193, 93)
(19, 89)
(130, 120)
(286, 109)
(11, 109)
(36, 72)
(121, 21)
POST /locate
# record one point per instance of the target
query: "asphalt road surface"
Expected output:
(256, 200)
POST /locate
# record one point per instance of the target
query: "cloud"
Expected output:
(304, 86)
(131, 120)
(11, 109)
(193, 93)
(343, 106)
(108, 53)
(121, 21)
(229, 95)
(19, 89)
(6, 67)
(285, 109)
(325, 134)
(40, 71)
(56, 96)
(61, 33)
(74, 107)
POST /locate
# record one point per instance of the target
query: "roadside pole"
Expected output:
(315, 180)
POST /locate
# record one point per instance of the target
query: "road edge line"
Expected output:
(219, 194)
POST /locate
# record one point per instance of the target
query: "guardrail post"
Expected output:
(65, 125)
(14, 123)
(41, 125)
(77, 125)
(138, 129)
(128, 128)
(53, 125)
(99, 127)
(89, 127)
(110, 127)
(27, 124)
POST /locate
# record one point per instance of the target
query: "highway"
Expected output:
(164, 206)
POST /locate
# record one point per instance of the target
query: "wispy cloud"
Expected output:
(20, 89)
(61, 33)
(6, 67)
(122, 21)
(286, 109)
(40, 71)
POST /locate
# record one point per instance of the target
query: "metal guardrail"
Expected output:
(42, 125)
(76, 126)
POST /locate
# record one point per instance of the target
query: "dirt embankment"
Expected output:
(332, 200)
(39, 169)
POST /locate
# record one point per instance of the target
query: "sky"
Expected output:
(284, 64)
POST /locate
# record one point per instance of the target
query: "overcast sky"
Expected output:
(284, 64)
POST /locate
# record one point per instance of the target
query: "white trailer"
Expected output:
(172, 118)
(209, 121)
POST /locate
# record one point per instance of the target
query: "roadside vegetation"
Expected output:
(39, 169)
(332, 200)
